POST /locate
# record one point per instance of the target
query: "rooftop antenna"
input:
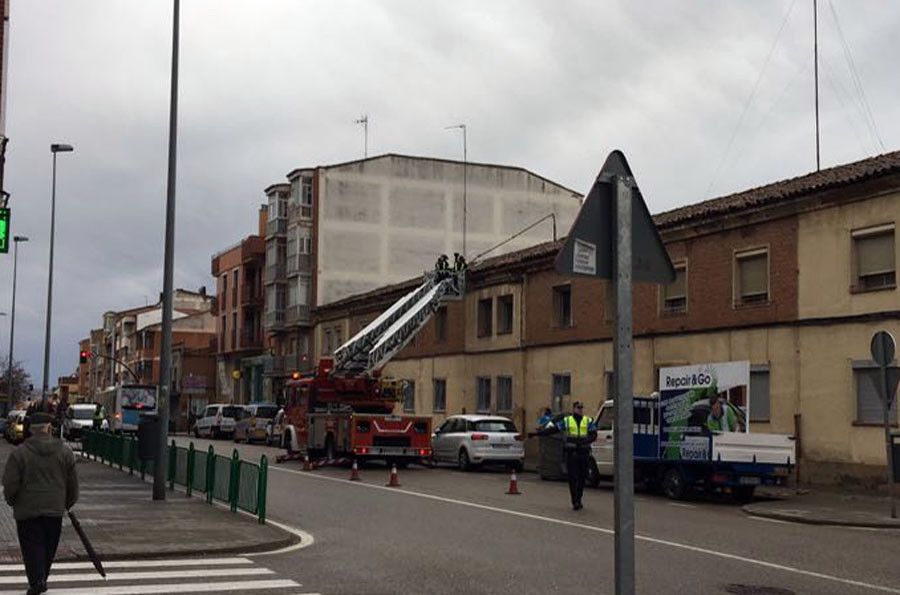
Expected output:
(816, 65)
(465, 181)
(364, 120)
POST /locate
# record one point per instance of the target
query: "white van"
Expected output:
(218, 421)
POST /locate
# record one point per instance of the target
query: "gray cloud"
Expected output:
(271, 85)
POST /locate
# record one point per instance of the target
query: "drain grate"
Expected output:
(739, 589)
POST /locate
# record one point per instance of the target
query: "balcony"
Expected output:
(251, 338)
(251, 296)
(276, 227)
(274, 319)
(298, 314)
(299, 263)
(275, 272)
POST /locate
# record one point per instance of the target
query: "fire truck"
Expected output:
(345, 408)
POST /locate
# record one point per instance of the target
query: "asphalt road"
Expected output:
(445, 531)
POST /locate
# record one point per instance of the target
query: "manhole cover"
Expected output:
(738, 589)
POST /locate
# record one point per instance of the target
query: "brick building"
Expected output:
(772, 275)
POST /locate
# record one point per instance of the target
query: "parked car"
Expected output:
(253, 422)
(468, 440)
(275, 429)
(15, 426)
(217, 421)
(79, 417)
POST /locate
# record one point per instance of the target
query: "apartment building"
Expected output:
(240, 292)
(338, 230)
(795, 277)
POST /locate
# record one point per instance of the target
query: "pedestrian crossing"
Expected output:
(145, 577)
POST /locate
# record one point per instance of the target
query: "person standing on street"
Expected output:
(578, 431)
(41, 484)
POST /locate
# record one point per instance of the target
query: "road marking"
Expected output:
(139, 564)
(764, 519)
(117, 492)
(682, 505)
(638, 537)
(141, 576)
(174, 588)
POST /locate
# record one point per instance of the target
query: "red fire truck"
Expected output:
(346, 407)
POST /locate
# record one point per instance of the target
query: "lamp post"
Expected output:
(54, 149)
(12, 318)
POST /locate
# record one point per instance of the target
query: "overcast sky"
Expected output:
(270, 85)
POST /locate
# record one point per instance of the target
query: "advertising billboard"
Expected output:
(699, 401)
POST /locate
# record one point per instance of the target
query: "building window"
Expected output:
(234, 290)
(440, 324)
(409, 397)
(759, 394)
(562, 306)
(484, 394)
(869, 407)
(222, 332)
(306, 198)
(675, 293)
(440, 395)
(751, 277)
(303, 287)
(485, 317)
(304, 238)
(326, 343)
(504, 314)
(874, 265)
(561, 387)
(234, 325)
(224, 288)
(504, 393)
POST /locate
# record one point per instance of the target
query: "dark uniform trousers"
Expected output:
(38, 538)
(577, 461)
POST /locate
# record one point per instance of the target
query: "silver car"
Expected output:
(468, 440)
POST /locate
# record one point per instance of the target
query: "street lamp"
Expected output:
(12, 318)
(54, 149)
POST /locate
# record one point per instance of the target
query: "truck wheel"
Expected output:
(674, 484)
(742, 494)
(463, 461)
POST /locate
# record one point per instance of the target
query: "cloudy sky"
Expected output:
(698, 94)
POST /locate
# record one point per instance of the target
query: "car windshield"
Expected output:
(232, 411)
(138, 398)
(495, 425)
(266, 412)
(605, 421)
(82, 413)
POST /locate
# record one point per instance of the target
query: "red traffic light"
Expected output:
(83, 356)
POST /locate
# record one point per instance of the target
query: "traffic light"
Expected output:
(295, 375)
(83, 356)
(4, 230)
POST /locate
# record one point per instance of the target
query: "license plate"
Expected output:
(500, 445)
(392, 418)
(749, 481)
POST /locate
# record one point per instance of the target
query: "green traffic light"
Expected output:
(4, 230)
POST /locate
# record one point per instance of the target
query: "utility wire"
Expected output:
(749, 100)
(854, 76)
(841, 94)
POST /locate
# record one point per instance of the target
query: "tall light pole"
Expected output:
(165, 367)
(54, 149)
(465, 181)
(12, 318)
(365, 124)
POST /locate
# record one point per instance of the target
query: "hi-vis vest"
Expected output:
(575, 430)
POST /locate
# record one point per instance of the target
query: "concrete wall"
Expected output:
(385, 220)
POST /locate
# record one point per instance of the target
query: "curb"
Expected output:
(751, 510)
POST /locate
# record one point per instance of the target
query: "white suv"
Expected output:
(468, 440)
(218, 421)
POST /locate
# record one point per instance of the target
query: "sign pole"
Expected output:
(624, 398)
(886, 407)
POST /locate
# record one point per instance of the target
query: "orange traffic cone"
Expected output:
(395, 481)
(306, 464)
(513, 485)
(354, 472)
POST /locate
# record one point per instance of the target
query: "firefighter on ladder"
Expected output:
(578, 432)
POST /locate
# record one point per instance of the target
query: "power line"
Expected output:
(749, 100)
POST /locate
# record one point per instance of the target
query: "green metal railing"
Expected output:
(239, 484)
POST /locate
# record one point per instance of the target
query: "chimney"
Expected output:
(263, 219)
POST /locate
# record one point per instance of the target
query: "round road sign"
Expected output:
(883, 348)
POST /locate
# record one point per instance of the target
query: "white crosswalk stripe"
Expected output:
(140, 577)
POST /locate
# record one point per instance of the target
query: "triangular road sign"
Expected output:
(589, 246)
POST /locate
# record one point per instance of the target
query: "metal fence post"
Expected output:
(173, 454)
(132, 455)
(262, 484)
(234, 483)
(189, 480)
(210, 473)
(121, 450)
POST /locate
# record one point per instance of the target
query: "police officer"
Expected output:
(578, 431)
(40, 483)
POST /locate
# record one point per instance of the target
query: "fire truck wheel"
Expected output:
(674, 484)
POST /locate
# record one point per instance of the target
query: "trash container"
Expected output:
(148, 436)
(895, 449)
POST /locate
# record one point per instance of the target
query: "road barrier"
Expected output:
(239, 484)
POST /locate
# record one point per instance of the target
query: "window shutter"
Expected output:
(868, 402)
(875, 254)
(759, 396)
(676, 289)
(754, 275)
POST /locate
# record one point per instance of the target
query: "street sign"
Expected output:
(4, 230)
(589, 247)
(882, 348)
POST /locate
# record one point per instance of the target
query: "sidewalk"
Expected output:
(822, 505)
(123, 521)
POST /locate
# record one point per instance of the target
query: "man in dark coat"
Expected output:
(41, 484)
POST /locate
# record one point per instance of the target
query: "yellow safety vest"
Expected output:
(576, 430)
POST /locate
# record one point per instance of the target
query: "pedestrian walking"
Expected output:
(41, 484)
(578, 431)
